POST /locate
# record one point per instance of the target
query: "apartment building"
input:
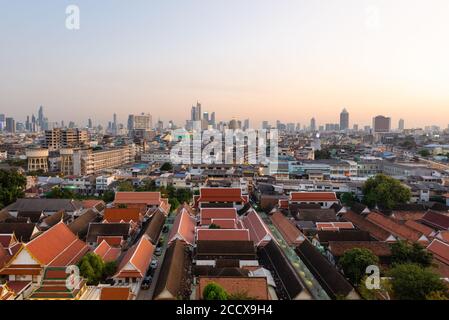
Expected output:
(65, 138)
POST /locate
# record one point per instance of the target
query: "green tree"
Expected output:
(355, 261)
(412, 282)
(214, 226)
(174, 203)
(61, 193)
(385, 192)
(12, 186)
(437, 295)
(125, 186)
(109, 269)
(348, 198)
(424, 153)
(322, 154)
(402, 253)
(92, 268)
(214, 291)
(108, 196)
(167, 166)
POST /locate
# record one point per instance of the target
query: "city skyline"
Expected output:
(291, 61)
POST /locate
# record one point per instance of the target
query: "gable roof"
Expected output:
(80, 225)
(244, 250)
(116, 293)
(146, 198)
(313, 196)
(99, 205)
(440, 250)
(170, 280)
(50, 221)
(436, 220)
(221, 195)
(380, 249)
(254, 287)
(183, 228)
(106, 252)
(279, 265)
(334, 226)
(317, 215)
(363, 224)
(402, 231)
(287, 228)
(155, 226)
(222, 235)
(137, 260)
(258, 230)
(419, 227)
(112, 215)
(207, 214)
(22, 231)
(57, 246)
(325, 236)
(324, 272)
(107, 229)
(45, 205)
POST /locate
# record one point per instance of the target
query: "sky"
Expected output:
(287, 60)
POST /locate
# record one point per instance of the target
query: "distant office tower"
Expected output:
(265, 125)
(235, 124)
(10, 125)
(355, 127)
(40, 117)
(381, 124)
(160, 125)
(206, 116)
(298, 127)
(312, 124)
(89, 123)
(401, 125)
(246, 124)
(290, 127)
(139, 122)
(196, 112)
(212, 119)
(344, 120)
(2, 122)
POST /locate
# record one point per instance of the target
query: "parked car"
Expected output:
(165, 229)
(146, 283)
(153, 264)
(158, 251)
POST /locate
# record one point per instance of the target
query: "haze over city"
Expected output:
(263, 60)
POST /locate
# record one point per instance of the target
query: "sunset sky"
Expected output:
(259, 59)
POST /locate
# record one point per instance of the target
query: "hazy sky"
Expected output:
(259, 59)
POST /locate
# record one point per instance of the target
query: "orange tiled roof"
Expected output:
(313, 196)
(258, 231)
(139, 257)
(221, 195)
(114, 215)
(440, 250)
(207, 214)
(288, 230)
(443, 235)
(402, 231)
(419, 227)
(223, 235)
(254, 287)
(183, 228)
(116, 293)
(57, 246)
(106, 252)
(89, 204)
(334, 225)
(147, 198)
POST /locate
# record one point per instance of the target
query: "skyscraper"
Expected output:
(312, 124)
(381, 124)
(401, 125)
(10, 125)
(196, 112)
(40, 117)
(344, 120)
(2, 122)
